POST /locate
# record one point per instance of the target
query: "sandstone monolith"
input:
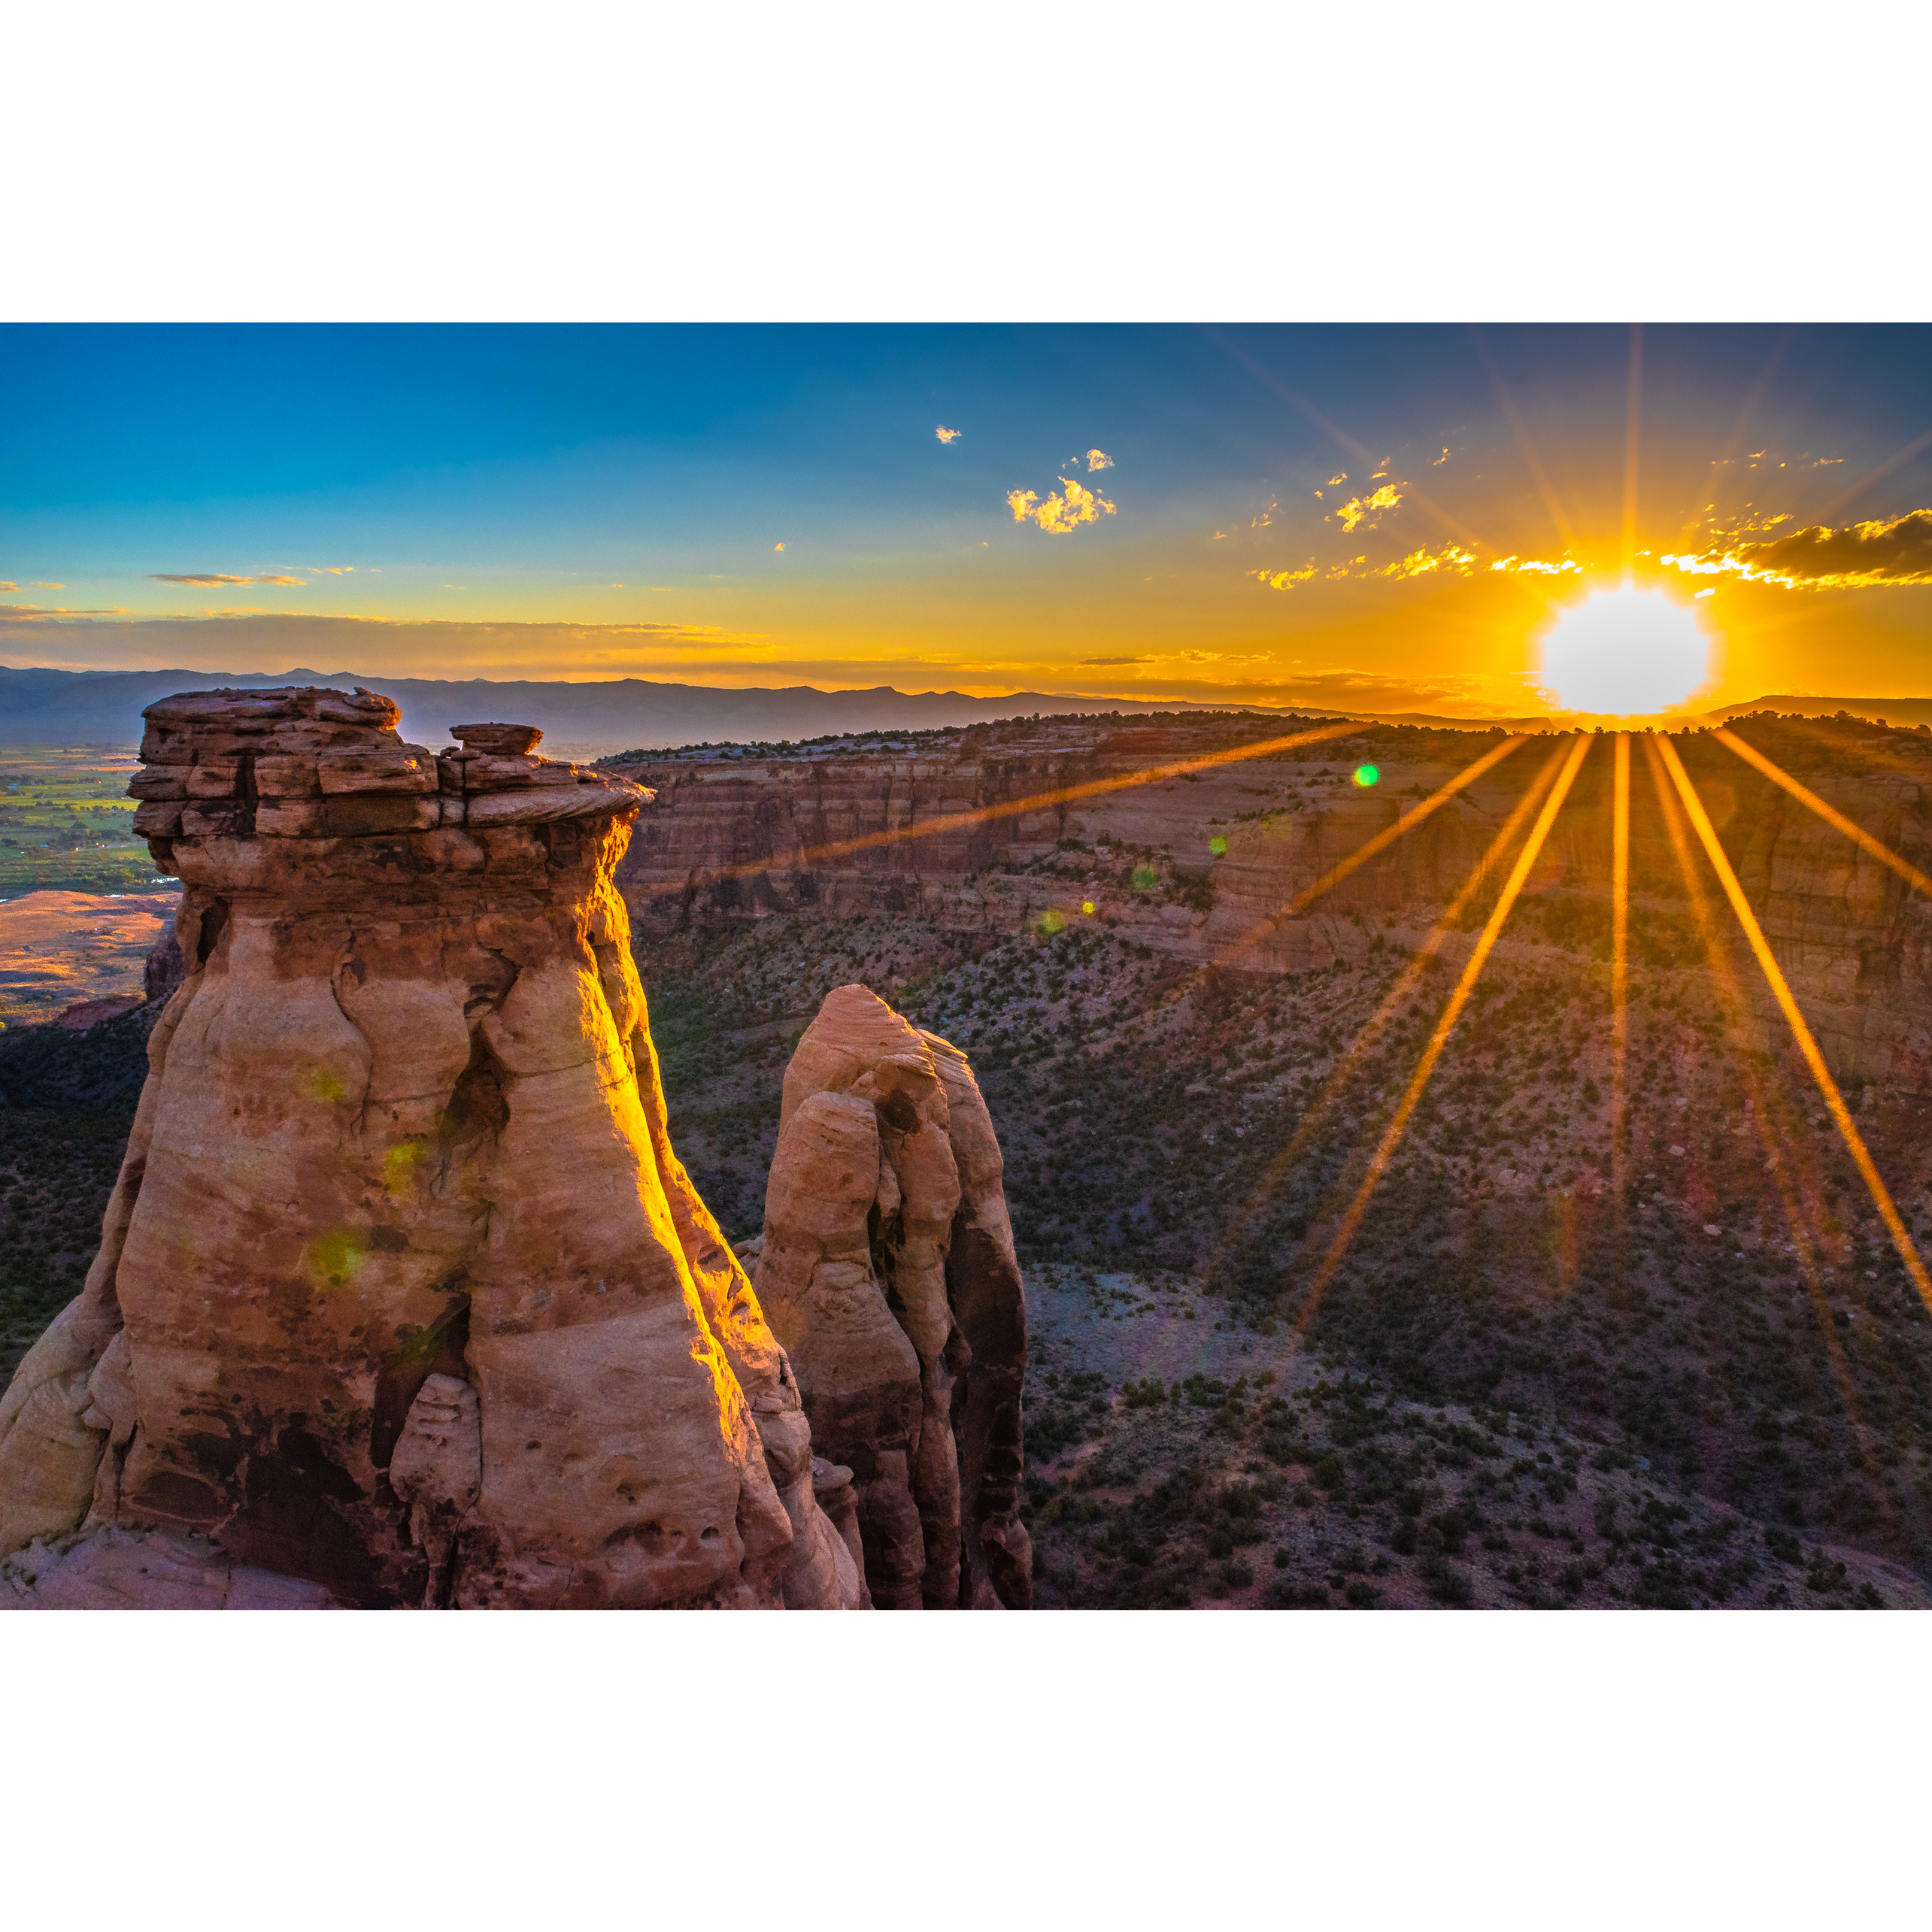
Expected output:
(402, 1290)
(887, 1270)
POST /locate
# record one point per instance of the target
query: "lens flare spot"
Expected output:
(399, 1163)
(335, 1257)
(1052, 921)
(1219, 847)
(1145, 878)
(1087, 906)
(1367, 775)
(326, 1085)
(1626, 653)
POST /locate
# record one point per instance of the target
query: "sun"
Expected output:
(1625, 653)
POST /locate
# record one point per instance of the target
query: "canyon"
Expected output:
(1218, 860)
(1192, 961)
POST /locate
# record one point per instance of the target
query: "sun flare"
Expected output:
(1626, 653)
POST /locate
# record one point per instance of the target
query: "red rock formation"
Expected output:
(730, 838)
(402, 1289)
(887, 1269)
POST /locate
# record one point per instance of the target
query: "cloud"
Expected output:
(1059, 513)
(1452, 559)
(1333, 480)
(1369, 509)
(329, 569)
(13, 587)
(1888, 552)
(946, 435)
(778, 547)
(1115, 660)
(1458, 561)
(1436, 463)
(210, 578)
(34, 613)
(1099, 459)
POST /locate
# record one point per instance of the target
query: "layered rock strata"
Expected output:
(887, 1270)
(1197, 866)
(402, 1289)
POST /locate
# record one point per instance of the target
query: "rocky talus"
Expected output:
(887, 1268)
(402, 1292)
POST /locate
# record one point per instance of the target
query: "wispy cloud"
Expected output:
(1099, 459)
(1369, 509)
(211, 579)
(1451, 560)
(1284, 580)
(946, 435)
(1893, 551)
(1060, 510)
(34, 613)
(1332, 480)
(1436, 463)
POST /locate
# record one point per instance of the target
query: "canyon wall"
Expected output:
(402, 1289)
(834, 832)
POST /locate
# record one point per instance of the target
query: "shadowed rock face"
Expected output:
(887, 1269)
(402, 1289)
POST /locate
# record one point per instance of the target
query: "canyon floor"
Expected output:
(1519, 1388)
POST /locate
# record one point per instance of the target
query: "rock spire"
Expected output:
(887, 1270)
(402, 1290)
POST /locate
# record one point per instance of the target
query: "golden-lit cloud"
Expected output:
(209, 578)
(778, 546)
(34, 613)
(1458, 561)
(1333, 480)
(1061, 510)
(1437, 463)
(946, 435)
(1452, 559)
(1369, 509)
(1099, 459)
(1892, 551)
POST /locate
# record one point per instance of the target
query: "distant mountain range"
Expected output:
(39, 706)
